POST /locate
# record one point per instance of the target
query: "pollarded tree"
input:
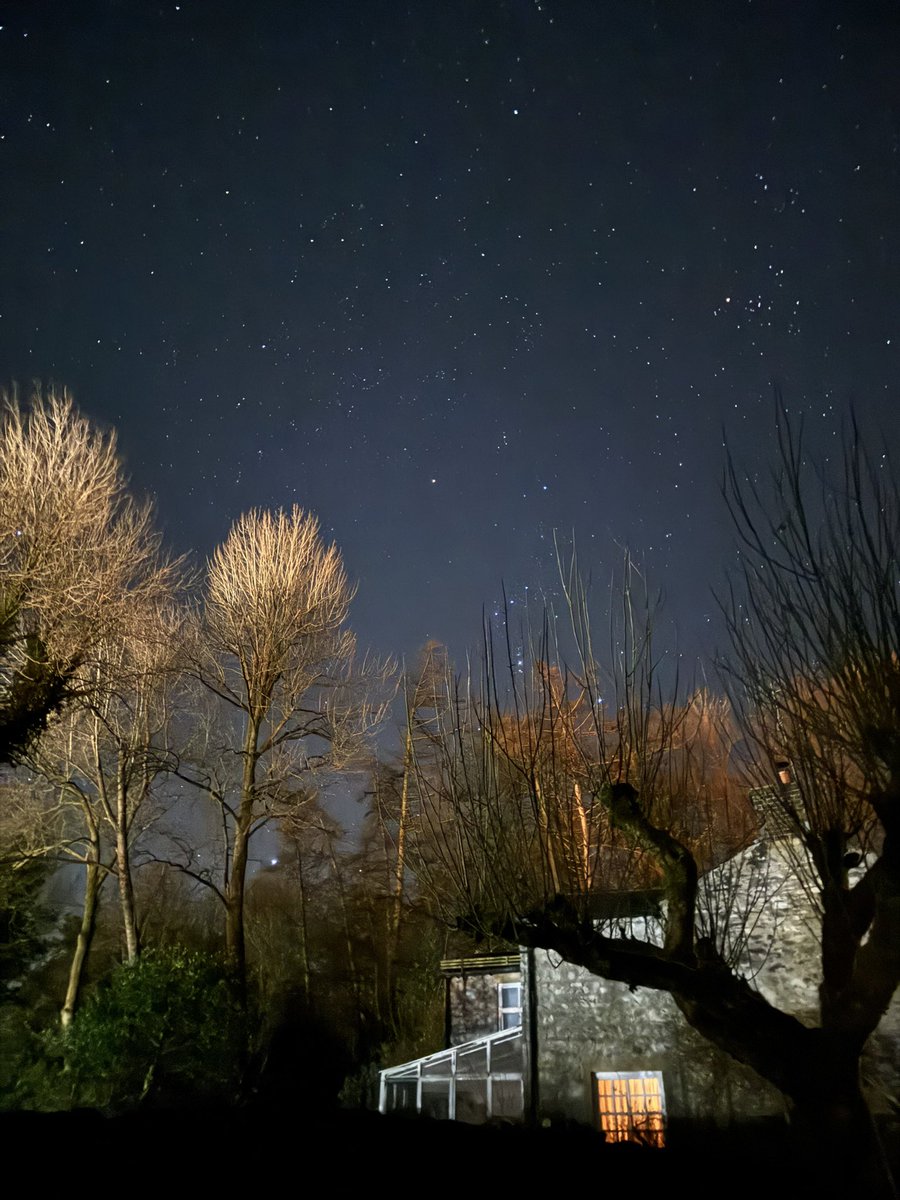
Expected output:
(273, 648)
(815, 671)
(73, 545)
(816, 632)
(533, 807)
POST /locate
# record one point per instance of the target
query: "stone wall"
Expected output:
(767, 925)
(474, 1003)
(586, 1024)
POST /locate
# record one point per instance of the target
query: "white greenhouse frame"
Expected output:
(432, 1069)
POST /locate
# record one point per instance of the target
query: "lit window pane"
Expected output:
(631, 1106)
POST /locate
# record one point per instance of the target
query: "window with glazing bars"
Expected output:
(631, 1106)
(509, 999)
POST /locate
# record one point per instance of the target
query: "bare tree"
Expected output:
(815, 672)
(284, 901)
(393, 808)
(50, 816)
(273, 648)
(80, 570)
(102, 758)
(73, 545)
(563, 786)
(113, 741)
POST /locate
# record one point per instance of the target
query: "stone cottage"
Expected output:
(532, 1037)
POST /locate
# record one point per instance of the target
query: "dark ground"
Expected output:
(232, 1149)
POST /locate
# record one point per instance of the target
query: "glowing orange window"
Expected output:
(631, 1106)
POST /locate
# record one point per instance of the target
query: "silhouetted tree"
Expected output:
(532, 758)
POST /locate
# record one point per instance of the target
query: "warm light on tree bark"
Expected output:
(274, 649)
(74, 547)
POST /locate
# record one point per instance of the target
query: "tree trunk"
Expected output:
(304, 933)
(397, 884)
(818, 1071)
(93, 883)
(585, 839)
(123, 870)
(400, 864)
(348, 938)
(234, 897)
(235, 946)
(547, 851)
(838, 1147)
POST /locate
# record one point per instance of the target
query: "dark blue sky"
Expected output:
(455, 274)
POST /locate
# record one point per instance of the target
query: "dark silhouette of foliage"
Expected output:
(166, 1029)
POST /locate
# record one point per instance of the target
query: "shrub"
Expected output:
(164, 1030)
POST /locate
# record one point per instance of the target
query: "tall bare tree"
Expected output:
(815, 672)
(105, 753)
(532, 757)
(80, 569)
(273, 648)
(424, 694)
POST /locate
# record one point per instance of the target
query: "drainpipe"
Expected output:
(448, 1023)
(533, 1103)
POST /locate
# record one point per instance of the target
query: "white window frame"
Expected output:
(506, 1010)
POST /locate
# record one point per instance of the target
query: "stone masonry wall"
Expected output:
(474, 1004)
(587, 1024)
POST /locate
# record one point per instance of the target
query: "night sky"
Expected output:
(454, 274)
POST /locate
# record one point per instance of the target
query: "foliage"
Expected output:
(166, 1029)
(74, 548)
(22, 915)
(327, 966)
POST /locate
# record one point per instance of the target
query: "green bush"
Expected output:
(22, 916)
(165, 1030)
